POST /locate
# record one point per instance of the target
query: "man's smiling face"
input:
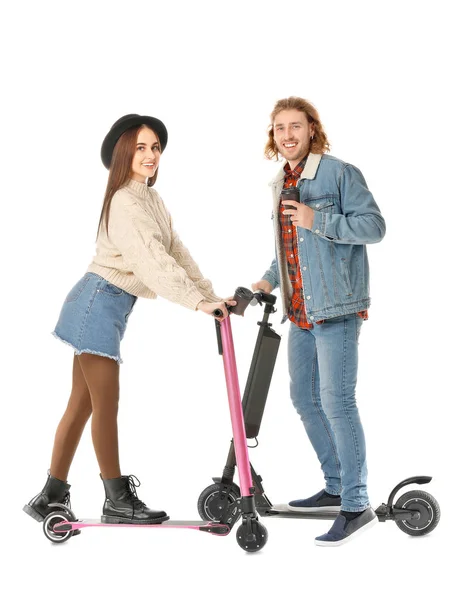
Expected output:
(292, 135)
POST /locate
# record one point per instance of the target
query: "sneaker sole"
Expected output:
(122, 521)
(314, 509)
(350, 537)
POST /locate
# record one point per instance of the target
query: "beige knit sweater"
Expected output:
(143, 255)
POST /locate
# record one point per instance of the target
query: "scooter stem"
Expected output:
(235, 407)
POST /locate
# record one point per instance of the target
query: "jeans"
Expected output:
(323, 364)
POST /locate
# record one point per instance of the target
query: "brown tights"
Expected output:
(95, 391)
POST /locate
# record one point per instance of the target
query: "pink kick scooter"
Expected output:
(61, 524)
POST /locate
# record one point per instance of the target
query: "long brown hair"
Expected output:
(319, 143)
(121, 170)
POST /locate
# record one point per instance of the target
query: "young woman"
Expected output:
(138, 254)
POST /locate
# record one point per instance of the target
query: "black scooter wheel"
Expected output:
(428, 508)
(54, 518)
(210, 506)
(259, 540)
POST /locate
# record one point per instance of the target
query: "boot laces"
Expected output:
(132, 492)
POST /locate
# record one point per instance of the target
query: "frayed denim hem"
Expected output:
(86, 351)
(333, 491)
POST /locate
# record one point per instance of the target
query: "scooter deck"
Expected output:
(281, 510)
(207, 526)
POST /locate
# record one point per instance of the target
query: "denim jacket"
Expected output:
(332, 254)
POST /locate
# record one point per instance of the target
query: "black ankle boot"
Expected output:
(54, 491)
(123, 506)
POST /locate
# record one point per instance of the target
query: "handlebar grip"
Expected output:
(217, 312)
(268, 298)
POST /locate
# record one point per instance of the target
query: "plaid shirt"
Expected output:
(296, 310)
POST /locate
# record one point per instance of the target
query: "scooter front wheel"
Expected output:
(50, 521)
(252, 541)
(211, 505)
(427, 507)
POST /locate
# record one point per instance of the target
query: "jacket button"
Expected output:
(317, 205)
(312, 318)
(308, 297)
(317, 231)
(304, 268)
(301, 239)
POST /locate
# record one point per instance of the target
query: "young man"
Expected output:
(322, 270)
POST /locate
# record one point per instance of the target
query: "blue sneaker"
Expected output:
(343, 531)
(320, 502)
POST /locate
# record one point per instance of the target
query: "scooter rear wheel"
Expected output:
(54, 518)
(426, 505)
(210, 506)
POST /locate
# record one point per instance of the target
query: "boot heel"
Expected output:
(110, 520)
(33, 513)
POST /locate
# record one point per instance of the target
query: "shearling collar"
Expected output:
(309, 172)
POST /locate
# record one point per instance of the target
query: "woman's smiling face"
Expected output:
(147, 155)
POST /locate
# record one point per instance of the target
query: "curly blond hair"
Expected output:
(319, 143)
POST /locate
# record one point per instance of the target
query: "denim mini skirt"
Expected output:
(94, 317)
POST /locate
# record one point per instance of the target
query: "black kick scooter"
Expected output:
(415, 512)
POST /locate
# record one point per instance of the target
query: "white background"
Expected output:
(385, 78)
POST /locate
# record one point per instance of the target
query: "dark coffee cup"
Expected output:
(291, 193)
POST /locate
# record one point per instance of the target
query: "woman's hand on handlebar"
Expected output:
(262, 285)
(210, 307)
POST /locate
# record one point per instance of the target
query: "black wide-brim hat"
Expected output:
(125, 123)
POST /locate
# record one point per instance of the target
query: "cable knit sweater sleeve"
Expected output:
(183, 258)
(142, 244)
